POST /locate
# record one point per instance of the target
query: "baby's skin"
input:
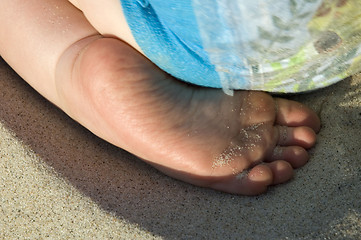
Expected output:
(88, 64)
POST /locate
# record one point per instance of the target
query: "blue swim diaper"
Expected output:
(275, 46)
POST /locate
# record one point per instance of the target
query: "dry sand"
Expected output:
(59, 181)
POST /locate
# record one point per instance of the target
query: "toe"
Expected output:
(281, 170)
(295, 136)
(252, 182)
(256, 180)
(294, 155)
(294, 114)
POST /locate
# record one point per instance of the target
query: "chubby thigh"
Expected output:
(107, 17)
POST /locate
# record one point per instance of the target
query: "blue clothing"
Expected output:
(276, 46)
(167, 33)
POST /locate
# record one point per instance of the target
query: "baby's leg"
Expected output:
(35, 33)
(239, 144)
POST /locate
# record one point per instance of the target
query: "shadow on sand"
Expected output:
(317, 204)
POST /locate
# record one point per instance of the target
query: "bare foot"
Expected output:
(240, 144)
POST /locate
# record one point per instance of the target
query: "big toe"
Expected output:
(295, 114)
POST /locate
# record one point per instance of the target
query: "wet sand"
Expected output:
(59, 181)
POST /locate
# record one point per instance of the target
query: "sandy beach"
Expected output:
(59, 181)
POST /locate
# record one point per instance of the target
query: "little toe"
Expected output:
(294, 114)
(295, 136)
(256, 180)
(249, 182)
(294, 155)
(282, 171)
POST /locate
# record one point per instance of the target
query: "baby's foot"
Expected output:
(240, 144)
